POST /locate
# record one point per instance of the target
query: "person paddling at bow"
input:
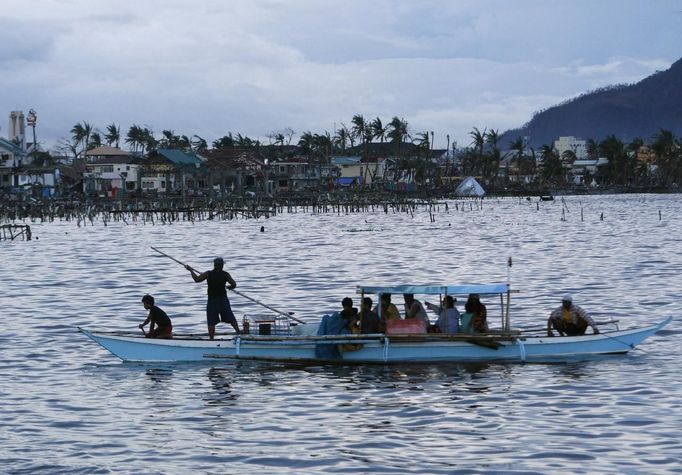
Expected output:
(159, 323)
(218, 305)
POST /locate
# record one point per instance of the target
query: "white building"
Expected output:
(111, 174)
(570, 143)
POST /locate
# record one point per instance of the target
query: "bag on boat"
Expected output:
(466, 322)
(408, 326)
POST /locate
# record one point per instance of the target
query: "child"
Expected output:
(160, 326)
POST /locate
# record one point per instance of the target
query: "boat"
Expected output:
(281, 339)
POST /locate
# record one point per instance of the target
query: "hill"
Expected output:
(626, 111)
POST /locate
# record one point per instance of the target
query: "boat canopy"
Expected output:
(436, 289)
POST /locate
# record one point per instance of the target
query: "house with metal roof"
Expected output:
(105, 151)
(351, 170)
(12, 157)
(112, 175)
(181, 158)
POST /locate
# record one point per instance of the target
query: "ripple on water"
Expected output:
(69, 406)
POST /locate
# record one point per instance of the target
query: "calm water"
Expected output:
(69, 406)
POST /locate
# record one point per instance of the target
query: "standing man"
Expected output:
(218, 305)
(570, 319)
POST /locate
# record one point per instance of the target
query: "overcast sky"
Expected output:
(258, 66)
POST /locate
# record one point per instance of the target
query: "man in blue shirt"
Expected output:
(448, 315)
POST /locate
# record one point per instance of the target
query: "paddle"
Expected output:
(288, 315)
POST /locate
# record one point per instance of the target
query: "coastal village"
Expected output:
(367, 156)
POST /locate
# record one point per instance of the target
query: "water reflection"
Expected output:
(221, 393)
(295, 418)
(159, 376)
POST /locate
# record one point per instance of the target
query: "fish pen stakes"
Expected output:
(169, 210)
(10, 232)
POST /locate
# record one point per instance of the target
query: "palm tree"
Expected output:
(519, 146)
(359, 126)
(306, 143)
(478, 143)
(243, 141)
(362, 131)
(224, 142)
(95, 140)
(552, 169)
(80, 134)
(185, 143)
(342, 138)
(422, 141)
(378, 129)
(148, 140)
(323, 146)
(135, 137)
(398, 131)
(493, 139)
(667, 149)
(168, 139)
(199, 144)
(113, 135)
(614, 150)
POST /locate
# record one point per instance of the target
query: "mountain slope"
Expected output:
(638, 110)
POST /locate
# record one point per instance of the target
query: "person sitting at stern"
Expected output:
(570, 319)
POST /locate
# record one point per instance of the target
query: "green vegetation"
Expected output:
(497, 164)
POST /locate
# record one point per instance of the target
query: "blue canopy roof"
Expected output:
(435, 289)
(179, 157)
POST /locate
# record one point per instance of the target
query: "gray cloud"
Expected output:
(257, 66)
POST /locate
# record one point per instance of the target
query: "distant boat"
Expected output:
(293, 345)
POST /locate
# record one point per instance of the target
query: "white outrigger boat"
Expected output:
(287, 341)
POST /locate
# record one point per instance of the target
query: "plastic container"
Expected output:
(410, 326)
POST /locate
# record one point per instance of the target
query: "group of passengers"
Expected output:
(568, 319)
(377, 320)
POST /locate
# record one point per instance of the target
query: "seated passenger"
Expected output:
(448, 316)
(369, 320)
(350, 315)
(415, 309)
(388, 311)
(570, 319)
(479, 317)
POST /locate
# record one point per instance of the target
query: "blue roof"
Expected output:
(481, 289)
(347, 181)
(179, 157)
(11, 146)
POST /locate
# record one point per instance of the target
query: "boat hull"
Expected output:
(376, 348)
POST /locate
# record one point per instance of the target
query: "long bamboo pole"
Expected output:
(288, 315)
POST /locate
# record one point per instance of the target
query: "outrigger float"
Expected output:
(282, 339)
